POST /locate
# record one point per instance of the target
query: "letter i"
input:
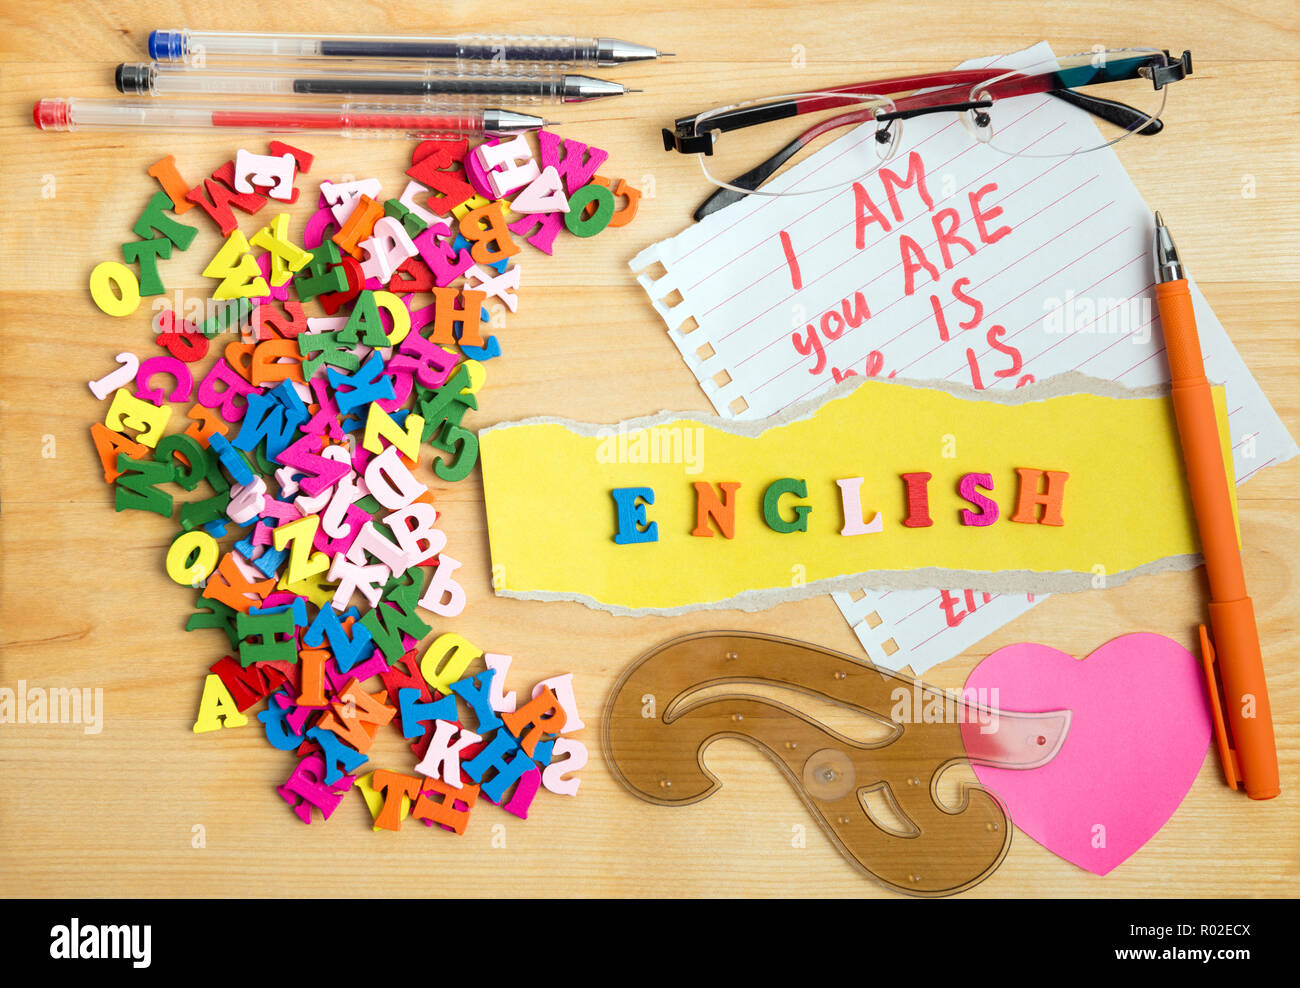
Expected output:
(939, 318)
(918, 500)
(792, 262)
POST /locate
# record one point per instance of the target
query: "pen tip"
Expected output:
(668, 54)
(634, 90)
(1159, 219)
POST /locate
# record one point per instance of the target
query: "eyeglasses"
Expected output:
(1122, 89)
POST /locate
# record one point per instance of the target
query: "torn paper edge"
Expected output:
(1006, 581)
(1059, 386)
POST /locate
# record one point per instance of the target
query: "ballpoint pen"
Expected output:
(1230, 652)
(345, 120)
(466, 50)
(396, 77)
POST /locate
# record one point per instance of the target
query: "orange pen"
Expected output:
(1234, 669)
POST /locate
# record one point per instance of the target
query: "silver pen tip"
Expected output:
(612, 51)
(667, 54)
(1167, 264)
(634, 90)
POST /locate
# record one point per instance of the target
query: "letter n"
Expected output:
(723, 512)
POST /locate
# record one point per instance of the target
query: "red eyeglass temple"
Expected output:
(907, 83)
(953, 87)
(957, 90)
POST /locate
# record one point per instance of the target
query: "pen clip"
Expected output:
(1226, 753)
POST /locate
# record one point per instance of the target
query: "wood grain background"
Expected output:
(84, 600)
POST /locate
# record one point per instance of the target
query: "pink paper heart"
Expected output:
(1139, 734)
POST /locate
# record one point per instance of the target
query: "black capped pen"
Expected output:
(399, 77)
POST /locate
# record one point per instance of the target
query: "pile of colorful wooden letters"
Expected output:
(307, 431)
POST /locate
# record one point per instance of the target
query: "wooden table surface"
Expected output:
(85, 602)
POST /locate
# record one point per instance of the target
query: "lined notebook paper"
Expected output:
(957, 263)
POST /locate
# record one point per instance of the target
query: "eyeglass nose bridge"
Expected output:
(982, 103)
(972, 110)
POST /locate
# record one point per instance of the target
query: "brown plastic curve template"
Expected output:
(697, 687)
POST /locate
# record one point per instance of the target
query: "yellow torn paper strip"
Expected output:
(559, 492)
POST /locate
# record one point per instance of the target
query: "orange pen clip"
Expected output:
(1226, 753)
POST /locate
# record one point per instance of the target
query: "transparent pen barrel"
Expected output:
(95, 116)
(349, 120)
(199, 44)
(384, 119)
(450, 88)
(517, 49)
(442, 87)
(187, 82)
(466, 51)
